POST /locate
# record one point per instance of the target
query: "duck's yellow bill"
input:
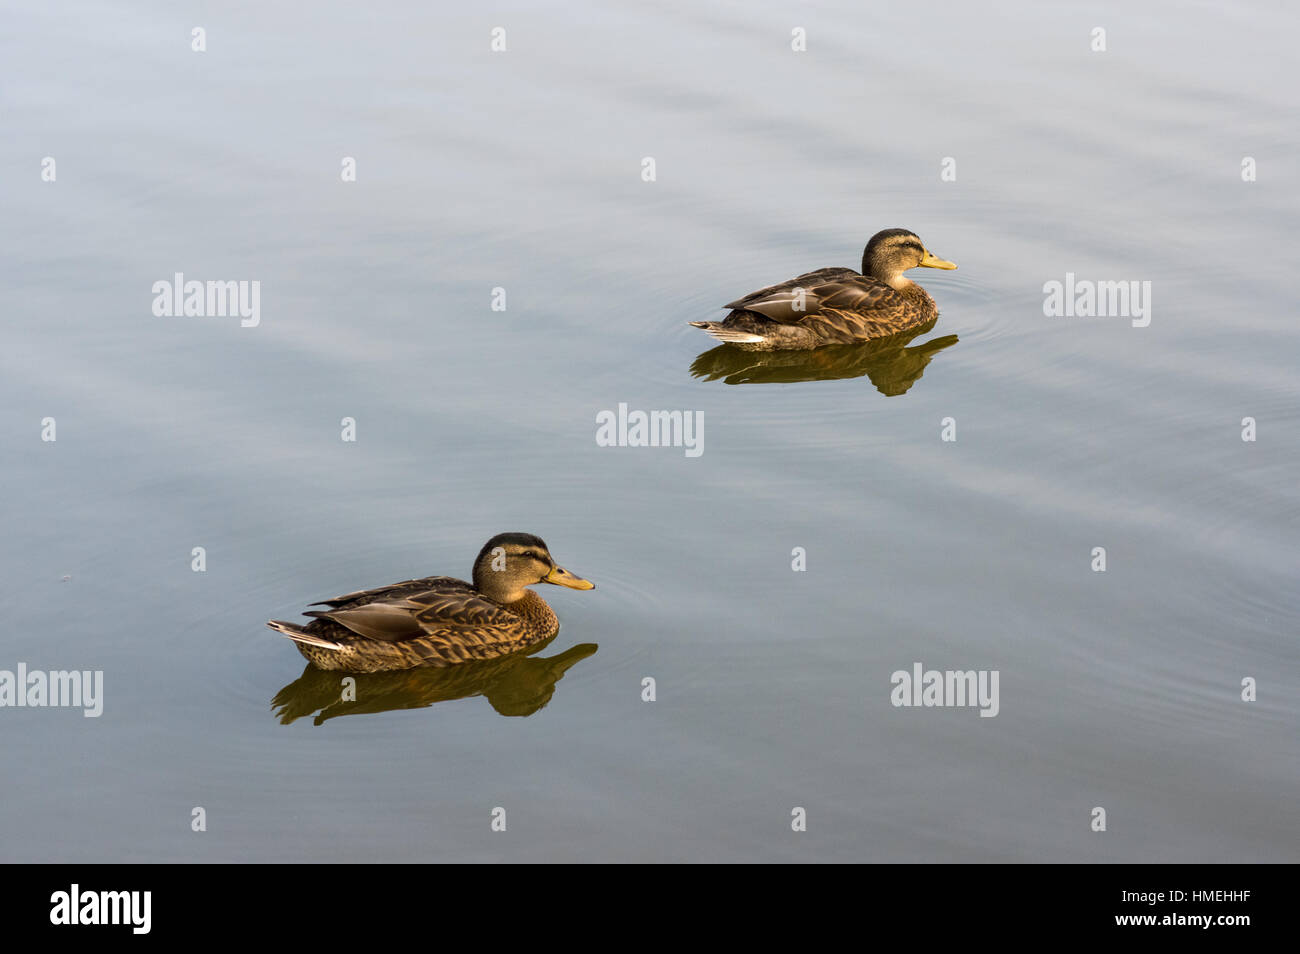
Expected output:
(562, 577)
(931, 262)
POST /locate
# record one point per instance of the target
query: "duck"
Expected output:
(439, 621)
(836, 305)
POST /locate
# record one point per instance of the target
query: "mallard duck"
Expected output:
(836, 305)
(439, 620)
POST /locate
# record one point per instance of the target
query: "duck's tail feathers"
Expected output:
(300, 635)
(728, 335)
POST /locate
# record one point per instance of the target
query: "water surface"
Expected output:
(522, 170)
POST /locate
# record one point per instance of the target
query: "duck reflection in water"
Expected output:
(891, 366)
(515, 685)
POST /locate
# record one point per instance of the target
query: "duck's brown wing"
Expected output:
(820, 277)
(450, 609)
(391, 590)
(841, 297)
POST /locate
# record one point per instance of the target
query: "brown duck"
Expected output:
(439, 620)
(836, 305)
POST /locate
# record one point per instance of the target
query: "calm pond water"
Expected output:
(523, 170)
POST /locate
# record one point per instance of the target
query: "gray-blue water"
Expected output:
(522, 170)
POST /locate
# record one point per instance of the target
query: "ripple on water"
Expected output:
(1244, 519)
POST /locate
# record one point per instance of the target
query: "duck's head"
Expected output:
(894, 251)
(511, 561)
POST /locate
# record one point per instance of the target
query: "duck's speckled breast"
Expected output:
(920, 306)
(539, 620)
